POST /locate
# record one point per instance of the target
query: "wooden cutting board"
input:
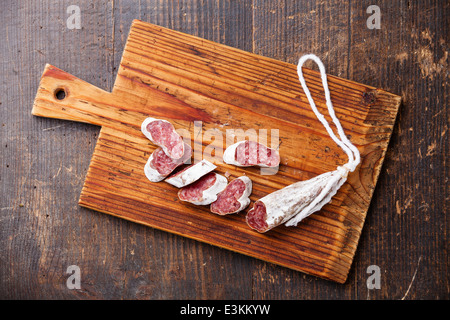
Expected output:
(206, 88)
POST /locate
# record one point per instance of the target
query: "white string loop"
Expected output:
(352, 152)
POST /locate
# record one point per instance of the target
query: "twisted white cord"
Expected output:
(352, 152)
(336, 178)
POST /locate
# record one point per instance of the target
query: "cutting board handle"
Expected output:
(61, 95)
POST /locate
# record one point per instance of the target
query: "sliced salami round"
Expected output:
(163, 134)
(234, 198)
(203, 191)
(190, 174)
(250, 153)
(160, 165)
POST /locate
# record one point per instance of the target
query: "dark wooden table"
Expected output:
(43, 231)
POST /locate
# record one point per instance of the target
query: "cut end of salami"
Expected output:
(250, 153)
(204, 191)
(190, 174)
(257, 216)
(234, 198)
(160, 165)
(163, 134)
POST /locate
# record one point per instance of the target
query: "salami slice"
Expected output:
(203, 191)
(160, 165)
(163, 134)
(234, 198)
(190, 174)
(295, 202)
(250, 153)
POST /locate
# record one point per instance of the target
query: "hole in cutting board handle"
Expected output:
(60, 93)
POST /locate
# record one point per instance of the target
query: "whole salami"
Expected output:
(250, 153)
(160, 165)
(163, 134)
(203, 191)
(296, 201)
(234, 198)
(190, 174)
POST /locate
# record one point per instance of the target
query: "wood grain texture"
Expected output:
(181, 78)
(43, 162)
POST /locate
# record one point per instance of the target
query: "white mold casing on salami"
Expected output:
(174, 155)
(209, 195)
(190, 174)
(154, 175)
(243, 200)
(296, 201)
(229, 156)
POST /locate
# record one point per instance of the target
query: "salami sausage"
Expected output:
(234, 198)
(295, 202)
(203, 191)
(250, 153)
(160, 165)
(190, 174)
(163, 134)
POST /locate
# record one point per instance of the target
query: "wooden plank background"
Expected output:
(43, 162)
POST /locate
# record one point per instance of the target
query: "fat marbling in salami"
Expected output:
(160, 165)
(234, 198)
(203, 191)
(250, 153)
(163, 134)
